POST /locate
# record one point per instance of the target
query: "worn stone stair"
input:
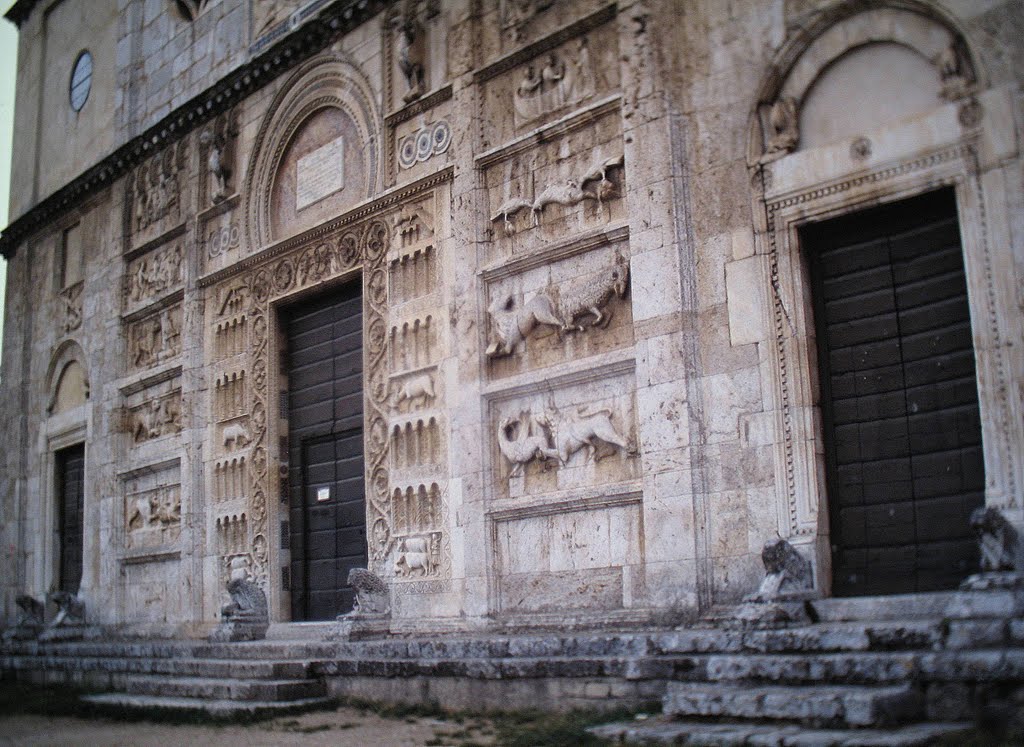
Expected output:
(867, 666)
(872, 671)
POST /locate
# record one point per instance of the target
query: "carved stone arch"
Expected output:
(67, 361)
(918, 26)
(330, 84)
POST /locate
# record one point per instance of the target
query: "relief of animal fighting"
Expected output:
(573, 307)
(553, 436)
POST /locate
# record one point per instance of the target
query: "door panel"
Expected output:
(899, 396)
(71, 496)
(326, 482)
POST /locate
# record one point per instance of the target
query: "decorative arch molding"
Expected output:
(324, 82)
(965, 143)
(919, 26)
(69, 352)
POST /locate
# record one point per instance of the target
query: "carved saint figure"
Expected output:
(552, 91)
(525, 99)
(411, 57)
(215, 163)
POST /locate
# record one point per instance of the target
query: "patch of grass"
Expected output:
(527, 729)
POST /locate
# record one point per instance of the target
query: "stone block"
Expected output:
(746, 282)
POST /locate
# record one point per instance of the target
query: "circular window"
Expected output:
(81, 80)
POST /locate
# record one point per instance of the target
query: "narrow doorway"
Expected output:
(327, 504)
(899, 400)
(70, 465)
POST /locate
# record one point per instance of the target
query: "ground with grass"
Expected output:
(55, 716)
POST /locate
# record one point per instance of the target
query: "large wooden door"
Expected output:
(325, 427)
(70, 464)
(898, 396)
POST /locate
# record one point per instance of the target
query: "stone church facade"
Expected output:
(545, 312)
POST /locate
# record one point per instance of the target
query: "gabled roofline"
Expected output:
(20, 11)
(332, 22)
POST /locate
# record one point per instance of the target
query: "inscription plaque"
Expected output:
(320, 173)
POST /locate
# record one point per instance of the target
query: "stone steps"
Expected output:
(211, 688)
(834, 706)
(181, 667)
(738, 734)
(183, 707)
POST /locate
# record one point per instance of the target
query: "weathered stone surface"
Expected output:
(586, 369)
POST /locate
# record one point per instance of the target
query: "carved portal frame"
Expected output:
(349, 247)
(60, 431)
(968, 142)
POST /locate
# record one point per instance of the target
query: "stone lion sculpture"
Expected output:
(371, 592)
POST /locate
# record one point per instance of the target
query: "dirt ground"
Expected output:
(340, 728)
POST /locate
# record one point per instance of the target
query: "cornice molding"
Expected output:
(332, 22)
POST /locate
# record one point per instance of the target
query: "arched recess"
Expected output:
(323, 117)
(67, 379)
(958, 134)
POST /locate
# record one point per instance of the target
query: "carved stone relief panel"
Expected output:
(414, 343)
(154, 275)
(71, 307)
(566, 436)
(422, 144)
(560, 188)
(510, 24)
(413, 225)
(232, 535)
(581, 557)
(154, 338)
(419, 542)
(155, 417)
(229, 399)
(229, 479)
(417, 446)
(413, 274)
(152, 507)
(574, 74)
(154, 193)
(569, 307)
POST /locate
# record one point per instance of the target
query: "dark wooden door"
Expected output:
(325, 427)
(899, 397)
(70, 464)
